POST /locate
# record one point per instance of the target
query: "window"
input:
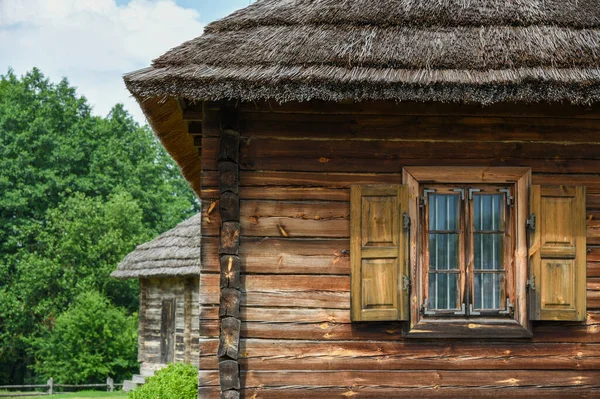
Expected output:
(447, 252)
(467, 239)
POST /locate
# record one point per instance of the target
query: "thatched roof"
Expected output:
(475, 51)
(481, 51)
(174, 253)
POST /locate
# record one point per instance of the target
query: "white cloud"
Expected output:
(92, 42)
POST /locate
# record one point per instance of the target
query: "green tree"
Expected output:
(91, 339)
(78, 193)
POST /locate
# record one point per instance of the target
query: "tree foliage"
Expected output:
(91, 339)
(78, 193)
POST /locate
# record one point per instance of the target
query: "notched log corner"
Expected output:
(229, 207)
(230, 271)
(229, 145)
(229, 339)
(228, 177)
(232, 394)
(230, 303)
(229, 375)
(230, 239)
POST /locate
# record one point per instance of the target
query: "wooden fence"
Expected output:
(49, 387)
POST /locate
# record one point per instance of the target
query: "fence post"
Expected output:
(110, 384)
(50, 384)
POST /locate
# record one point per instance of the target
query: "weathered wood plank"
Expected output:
(413, 127)
(323, 331)
(266, 354)
(429, 392)
(511, 110)
(420, 378)
(283, 256)
(389, 156)
(285, 219)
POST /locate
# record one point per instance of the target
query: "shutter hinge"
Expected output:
(405, 283)
(461, 191)
(424, 197)
(405, 221)
(531, 283)
(530, 223)
(510, 200)
(471, 191)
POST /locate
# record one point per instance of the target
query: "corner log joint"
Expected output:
(229, 243)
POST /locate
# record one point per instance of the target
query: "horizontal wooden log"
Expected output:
(286, 219)
(548, 332)
(283, 256)
(389, 156)
(287, 193)
(323, 331)
(512, 110)
(282, 315)
(412, 127)
(429, 392)
(284, 290)
(415, 379)
(266, 354)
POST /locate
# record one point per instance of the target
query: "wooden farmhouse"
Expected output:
(168, 268)
(400, 198)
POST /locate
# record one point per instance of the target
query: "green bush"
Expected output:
(176, 381)
(92, 340)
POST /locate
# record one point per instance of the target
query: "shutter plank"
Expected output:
(378, 255)
(557, 253)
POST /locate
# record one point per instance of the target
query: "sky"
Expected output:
(94, 42)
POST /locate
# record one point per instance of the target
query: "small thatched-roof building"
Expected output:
(168, 268)
(408, 194)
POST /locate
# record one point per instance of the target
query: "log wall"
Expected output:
(152, 292)
(296, 164)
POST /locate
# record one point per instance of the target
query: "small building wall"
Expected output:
(297, 163)
(153, 291)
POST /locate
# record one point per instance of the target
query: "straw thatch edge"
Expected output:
(284, 84)
(161, 272)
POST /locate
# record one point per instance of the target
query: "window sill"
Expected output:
(468, 328)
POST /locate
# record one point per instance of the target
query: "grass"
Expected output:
(77, 395)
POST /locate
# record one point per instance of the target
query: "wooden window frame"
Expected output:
(421, 326)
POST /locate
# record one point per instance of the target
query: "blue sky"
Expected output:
(94, 42)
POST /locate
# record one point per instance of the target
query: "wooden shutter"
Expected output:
(557, 253)
(379, 253)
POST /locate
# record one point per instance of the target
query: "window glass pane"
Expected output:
(443, 212)
(443, 251)
(488, 251)
(443, 291)
(488, 290)
(488, 212)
